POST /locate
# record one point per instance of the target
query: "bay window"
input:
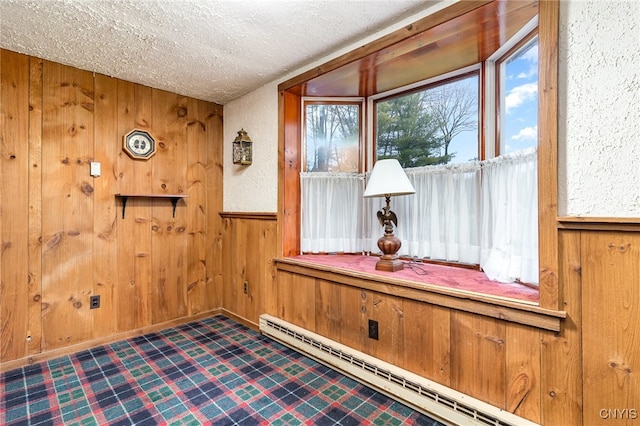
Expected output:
(466, 134)
(466, 209)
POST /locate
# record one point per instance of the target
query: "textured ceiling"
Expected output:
(216, 50)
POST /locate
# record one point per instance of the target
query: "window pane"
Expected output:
(438, 125)
(331, 137)
(519, 99)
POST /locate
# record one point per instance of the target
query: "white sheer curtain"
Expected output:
(331, 216)
(481, 213)
(440, 221)
(510, 217)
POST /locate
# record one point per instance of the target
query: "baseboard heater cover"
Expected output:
(433, 399)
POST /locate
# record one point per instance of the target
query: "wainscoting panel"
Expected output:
(493, 360)
(248, 250)
(611, 327)
(581, 374)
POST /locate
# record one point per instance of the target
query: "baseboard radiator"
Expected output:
(440, 402)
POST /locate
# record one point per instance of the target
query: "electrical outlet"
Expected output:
(245, 287)
(94, 302)
(373, 329)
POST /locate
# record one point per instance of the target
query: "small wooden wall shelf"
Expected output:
(173, 197)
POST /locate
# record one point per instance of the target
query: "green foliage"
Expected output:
(416, 128)
(408, 132)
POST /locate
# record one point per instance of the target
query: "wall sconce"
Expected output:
(242, 149)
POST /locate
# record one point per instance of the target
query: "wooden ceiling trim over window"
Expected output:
(459, 36)
(374, 47)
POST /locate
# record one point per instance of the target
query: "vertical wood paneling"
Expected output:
(105, 246)
(35, 205)
(266, 230)
(356, 330)
(329, 319)
(523, 371)
(561, 360)
(214, 258)
(133, 306)
(355, 309)
(611, 326)
(169, 125)
(389, 312)
(285, 295)
(242, 262)
(169, 234)
(270, 305)
(427, 341)
(254, 269)
(296, 302)
(67, 226)
(248, 252)
(239, 268)
(14, 214)
(232, 253)
(134, 112)
(138, 179)
(478, 357)
(228, 256)
(196, 208)
(67, 204)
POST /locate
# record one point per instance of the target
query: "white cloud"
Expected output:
(532, 72)
(531, 55)
(521, 94)
(526, 133)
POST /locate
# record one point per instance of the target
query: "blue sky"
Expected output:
(521, 105)
(521, 101)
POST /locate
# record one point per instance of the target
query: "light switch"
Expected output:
(95, 169)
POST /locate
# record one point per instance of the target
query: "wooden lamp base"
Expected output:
(389, 244)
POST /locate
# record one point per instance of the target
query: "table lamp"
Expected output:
(387, 179)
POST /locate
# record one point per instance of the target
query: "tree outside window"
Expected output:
(436, 125)
(332, 137)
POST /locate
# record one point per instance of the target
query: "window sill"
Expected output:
(445, 286)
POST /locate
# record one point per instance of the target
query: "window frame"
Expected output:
(501, 90)
(422, 85)
(492, 80)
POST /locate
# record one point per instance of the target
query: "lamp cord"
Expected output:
(416, 267)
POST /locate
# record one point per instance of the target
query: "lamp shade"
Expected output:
(388, 178)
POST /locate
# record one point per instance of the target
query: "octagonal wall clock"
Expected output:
(139, 144)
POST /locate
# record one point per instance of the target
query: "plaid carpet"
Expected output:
(214, 372)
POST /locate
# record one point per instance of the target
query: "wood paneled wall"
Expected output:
(249, 248)
(63, 239)
(63, 235)
(490, 359)
(585, 374)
